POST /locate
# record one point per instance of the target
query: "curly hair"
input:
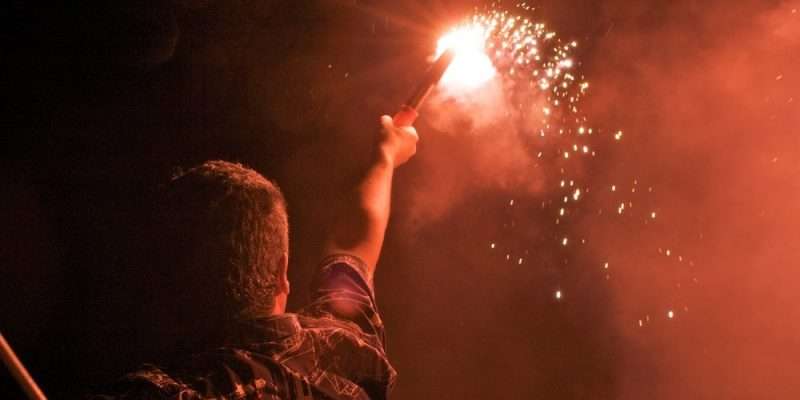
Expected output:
(227, 234)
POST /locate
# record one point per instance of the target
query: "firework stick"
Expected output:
(408, 112)
(19, 372)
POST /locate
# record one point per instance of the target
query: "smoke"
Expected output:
(473, 142)
(708, 97)
(502, 135)
(699, 261)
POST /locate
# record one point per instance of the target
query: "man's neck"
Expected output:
(280, 304)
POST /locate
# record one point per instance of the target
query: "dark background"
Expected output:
(104, 101)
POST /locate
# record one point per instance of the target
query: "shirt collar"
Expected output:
(275, 327)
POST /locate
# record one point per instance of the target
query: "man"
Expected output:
(226, 233)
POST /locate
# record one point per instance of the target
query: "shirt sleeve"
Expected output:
(340, 290)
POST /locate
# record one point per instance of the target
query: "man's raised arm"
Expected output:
(362, 220)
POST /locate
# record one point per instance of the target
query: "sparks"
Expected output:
(495, 43)
(535, 78)
(471, 66)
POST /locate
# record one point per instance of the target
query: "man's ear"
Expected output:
(283, 275)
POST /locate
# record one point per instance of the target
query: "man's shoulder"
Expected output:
(333, 334)
(343, 357)
(330, 353)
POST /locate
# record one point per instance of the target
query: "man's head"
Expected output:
(226, 238)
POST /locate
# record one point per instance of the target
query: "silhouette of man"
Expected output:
(226, 231)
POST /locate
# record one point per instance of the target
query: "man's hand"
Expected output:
(397, 144)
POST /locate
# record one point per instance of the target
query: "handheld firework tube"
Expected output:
(408, 112)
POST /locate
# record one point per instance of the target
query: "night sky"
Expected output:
(673, 272)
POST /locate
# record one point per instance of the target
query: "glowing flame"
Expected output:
(471, 66)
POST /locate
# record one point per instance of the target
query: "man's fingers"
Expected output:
(398, 143)
(387, 122)
(410, 131)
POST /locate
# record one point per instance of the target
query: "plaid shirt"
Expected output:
(332, 349)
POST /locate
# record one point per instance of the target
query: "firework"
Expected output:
(541, 88)
(501, 43)
(408, 112)
(471, 66)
